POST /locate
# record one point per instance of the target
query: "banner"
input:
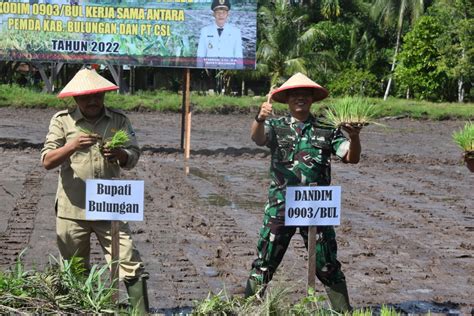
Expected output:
(166, 33)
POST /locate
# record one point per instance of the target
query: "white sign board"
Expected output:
(116, 200)
(313, 206)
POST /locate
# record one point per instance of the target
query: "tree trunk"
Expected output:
(460, 90)
(397, 47)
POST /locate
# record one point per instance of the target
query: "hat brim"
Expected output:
(281, 94)
(85, 92)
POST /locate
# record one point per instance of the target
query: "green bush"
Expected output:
(355, 82)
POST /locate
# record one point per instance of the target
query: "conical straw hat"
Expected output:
(296, 81)
(86, 82)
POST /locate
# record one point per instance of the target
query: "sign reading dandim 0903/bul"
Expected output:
(166, 33)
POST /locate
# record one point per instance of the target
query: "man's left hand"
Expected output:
(116, 154)
(351, 130)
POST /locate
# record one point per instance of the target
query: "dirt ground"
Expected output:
(407, 217)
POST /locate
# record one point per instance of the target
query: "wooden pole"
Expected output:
(114, 273)
(47, 83)
(183, 110)
(187, 110)
(312, 231)
(132, 80)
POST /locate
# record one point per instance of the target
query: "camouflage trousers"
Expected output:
(274, 240)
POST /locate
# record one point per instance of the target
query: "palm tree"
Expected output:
(389, 12)
(279, 53)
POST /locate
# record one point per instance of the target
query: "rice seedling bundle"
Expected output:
(354, 111)
(119, 139)
(465, 139)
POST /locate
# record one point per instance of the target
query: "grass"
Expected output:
(63, 287)
(465, 139)
(276, 302)
(167, 101)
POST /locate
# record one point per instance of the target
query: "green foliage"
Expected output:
(423, 110)
(465, 137)
(308, 305)
(16, 96)
(63, 287)
(279, 55)
(276, 302)
(388, 311)
(119, 139)
(219, 304)
(350, 110)
(354, 82)
(419, 70)
(456, 44)
(171, 102)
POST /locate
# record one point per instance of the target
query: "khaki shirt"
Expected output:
(85, 163)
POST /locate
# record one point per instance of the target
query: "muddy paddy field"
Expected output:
(407, 233)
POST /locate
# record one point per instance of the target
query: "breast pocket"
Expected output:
(285, 143)
(284, 151)
(322, 145)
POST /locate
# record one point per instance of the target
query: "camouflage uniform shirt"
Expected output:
(300, 154)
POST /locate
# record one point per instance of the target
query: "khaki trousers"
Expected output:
(73, 237)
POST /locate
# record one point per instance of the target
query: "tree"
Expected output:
(279, 53)
(419, 69)
(457, 44)
(393, 14)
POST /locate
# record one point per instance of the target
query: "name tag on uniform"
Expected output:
(313, 206)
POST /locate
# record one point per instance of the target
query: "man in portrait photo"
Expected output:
(220, 43)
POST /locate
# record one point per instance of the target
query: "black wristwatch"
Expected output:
(259, 120)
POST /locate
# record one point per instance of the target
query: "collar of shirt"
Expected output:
(290, 120)
(76, 114)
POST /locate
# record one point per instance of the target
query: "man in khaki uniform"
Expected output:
(79, 156)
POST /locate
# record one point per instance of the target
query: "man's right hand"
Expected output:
(84, 141)
(265, 111)
(57, 156)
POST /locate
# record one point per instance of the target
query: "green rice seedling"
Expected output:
(388, 311)
(219, 304)
(362, 312)
(88, 289)
(64, 287)
(119, 139)
(465, 139)
(308, 305)
(355, 111)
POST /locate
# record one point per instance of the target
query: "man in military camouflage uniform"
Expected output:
(77, 152)
(301, 148)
